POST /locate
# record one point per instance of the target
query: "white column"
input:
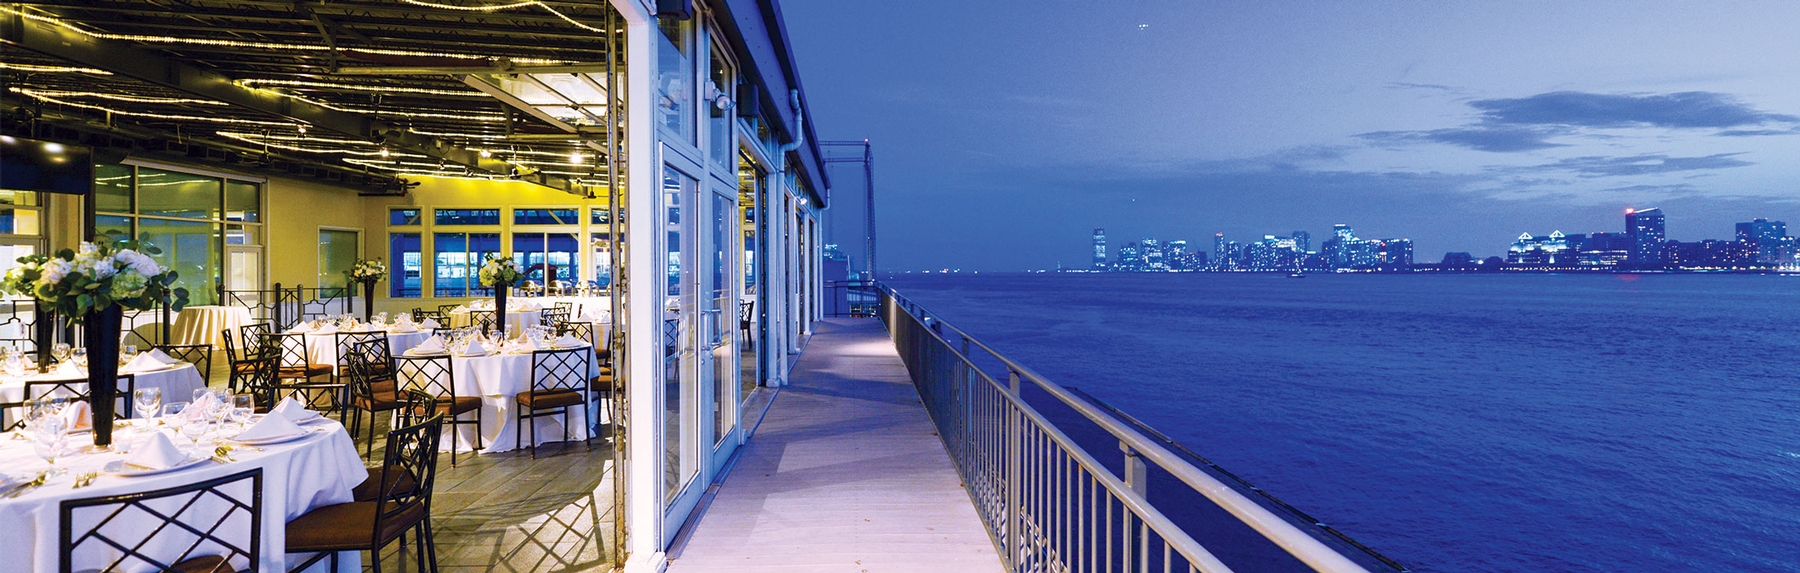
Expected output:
(643, 477)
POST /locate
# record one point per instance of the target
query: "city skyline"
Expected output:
(1460, 127)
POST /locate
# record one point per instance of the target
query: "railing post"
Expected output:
(1136, 475)
(277, 319)
(1014, 468)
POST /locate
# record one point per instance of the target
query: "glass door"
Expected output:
(681, 338)
(243, 268)
(721, 318)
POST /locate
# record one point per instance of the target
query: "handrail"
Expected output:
(1295, 541)
(1196, 555)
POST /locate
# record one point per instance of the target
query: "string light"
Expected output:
(127, 97)
(498, 7)
(456, 135)
(52, 69)
(487, 153)
(466, 116)
(258, 45)
(38, 96)
(252, 82)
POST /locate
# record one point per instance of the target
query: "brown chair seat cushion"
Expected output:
(372, 488)
(601, 383)
(539, 399)
(379, 400)
(309, 370)
(205, 564)
(347, 527)
(461, 405)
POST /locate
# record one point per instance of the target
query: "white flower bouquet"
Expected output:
(501, 272)
(103, 273)
(366, 271)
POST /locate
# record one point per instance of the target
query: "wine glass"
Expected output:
(50, 438)
(60, 351)
(131, 350)
(80, 355)
(243, 406)
(221, 405)
(174, 415)
(147, 402)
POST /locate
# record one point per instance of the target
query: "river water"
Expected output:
(1527, 422)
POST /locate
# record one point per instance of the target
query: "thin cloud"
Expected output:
(1497, 139)
(1596, 166)
(1685, 110)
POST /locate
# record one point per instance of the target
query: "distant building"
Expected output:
(1153, 256)
(1647, 236)
(1394, 254)
(1553, 250)
(1606, 250)
(1219, 253)
(1456, 260)
(1302, 241)
(1099, 249)
(1175, 255)
(1768, 241)
(1129, 260)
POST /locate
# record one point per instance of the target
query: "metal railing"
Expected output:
(1052, 504)
(286, 306)
(851, 298)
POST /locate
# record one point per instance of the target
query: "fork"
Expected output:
(28, 486)
(84, 480)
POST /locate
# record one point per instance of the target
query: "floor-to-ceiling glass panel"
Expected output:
(458, 258)
(749, 323)
(338, 251)
(112, 188)
(721, 310)
(192, 249)
(172, 194)
(680, 368)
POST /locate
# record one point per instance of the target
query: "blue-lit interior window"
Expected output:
(407, 264)
(599, 216)
(457, 260)
(468, 216)
(404, 217)
(549, 258)
(545, 216)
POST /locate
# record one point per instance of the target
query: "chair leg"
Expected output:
(455, 436)
(431, 545)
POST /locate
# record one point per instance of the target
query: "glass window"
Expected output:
(545, 216)
(338, 251)
(457, 258)
(403, 217)
(112, 188)
(17, 221)
(20, 198)
(468, 216)
(406, 266)
(191, 248)
(113, 226)
(599, 216)
(675, 78)
(243, 201)
(171, 194)
(243, 235)
(548, 257)
(720, 142)
(601, 243)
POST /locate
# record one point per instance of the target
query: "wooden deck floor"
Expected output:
(845, 474)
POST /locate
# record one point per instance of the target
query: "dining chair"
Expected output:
(483, 320)
(399, 507)
(372, 386)
(602, 382)
(211, 526)
(40, 389)
(558, 381)
(747, 316)
(446, 309)
(258, 376)
(346, 341)
(434, 375)
(416, 408)
(565, 306)
(553, 316)
(252, 334)
(419, 314)
(242, 362)
(199, 355)
(294, 374)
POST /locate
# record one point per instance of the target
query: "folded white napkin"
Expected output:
(77, 416)
(569, 341)
(522, 345)
(433, 345)
(474, 348)
(293, 410)
(269, 427)
(68, 368)
(157, 452)
(327, 329)
(143, 363)
(302, 327)
(430, 324)
(162, 357)
(528, 305)
(404, 328)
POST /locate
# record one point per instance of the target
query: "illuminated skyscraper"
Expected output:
(1767, 239)
(1099, 249)
(1646, 229)
(1302, 241)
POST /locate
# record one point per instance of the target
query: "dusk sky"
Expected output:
(1005, 132)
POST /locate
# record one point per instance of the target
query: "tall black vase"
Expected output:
(500, 308)
(368, 301)
(101, 330)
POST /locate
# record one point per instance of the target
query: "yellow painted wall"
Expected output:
(296, 210)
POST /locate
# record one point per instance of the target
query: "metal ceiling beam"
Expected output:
(125, 60)
(503, 68)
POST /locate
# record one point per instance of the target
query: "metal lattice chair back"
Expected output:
(251, 335)
(290, 348)
(429, 374)
(444, 309)
(257, 377)
(347, 342)
(553, 316)
(364, 364)
(566, 307)
(199, 355)
(411, 449)
(482, 319)
(419, 407)
(213, 525)
(581, 330)
(559, 370)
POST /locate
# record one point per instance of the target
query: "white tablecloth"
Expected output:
(203, 324)
(322, 348)
(498, 379)
(593, 306)
(516, 319)
(298, 476)
(178, 385)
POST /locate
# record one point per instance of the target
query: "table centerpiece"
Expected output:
(96, 284)
(501, 274)
(367, 272)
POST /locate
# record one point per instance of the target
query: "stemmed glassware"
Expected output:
(60, 351)
(243, 406)
(50, 438)
(80, 356)
(147, 402)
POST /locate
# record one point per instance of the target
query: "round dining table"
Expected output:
(321, 347)
(317, 470)
(498, 378)
(207, 324)
(178, 383)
